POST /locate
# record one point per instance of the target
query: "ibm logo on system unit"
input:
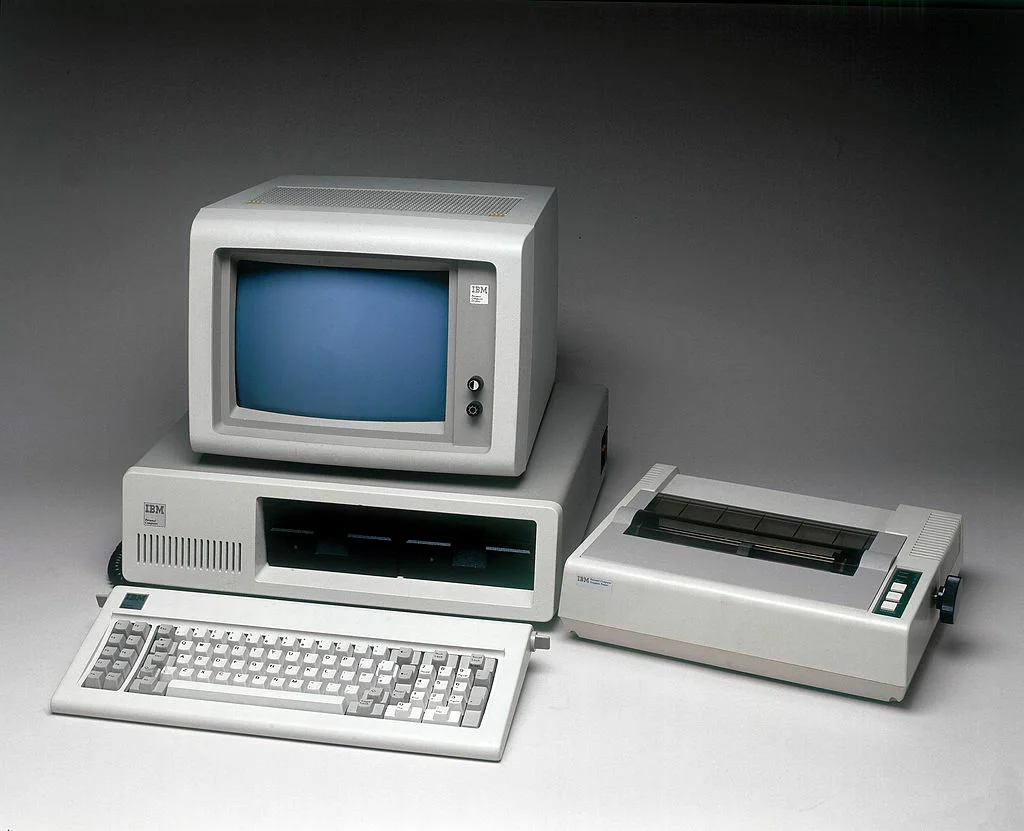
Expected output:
(154, 514)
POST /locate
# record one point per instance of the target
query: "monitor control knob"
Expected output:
(475, 384)
(945, 599)
(474, 409)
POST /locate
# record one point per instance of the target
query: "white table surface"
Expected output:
(790, 247)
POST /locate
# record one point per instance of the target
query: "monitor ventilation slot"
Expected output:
(937, 535)
(655, 477)
(459, 204)
(189, 553)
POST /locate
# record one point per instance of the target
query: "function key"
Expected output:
(94, 679)
(112, 680)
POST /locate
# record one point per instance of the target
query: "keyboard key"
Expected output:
(442, 715)
(477, 698)
(250, 695)
(94, 679)
(403, 712)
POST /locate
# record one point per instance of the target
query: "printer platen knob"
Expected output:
(945, 599)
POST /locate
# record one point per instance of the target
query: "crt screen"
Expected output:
(341, 343)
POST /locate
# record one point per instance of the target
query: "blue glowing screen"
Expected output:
(341, 343)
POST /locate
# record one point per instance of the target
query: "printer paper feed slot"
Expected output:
(749, 533)
(390, 542)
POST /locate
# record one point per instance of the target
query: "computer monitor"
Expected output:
(384, 323)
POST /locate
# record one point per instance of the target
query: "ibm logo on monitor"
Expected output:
(594, 582)
(154, 514)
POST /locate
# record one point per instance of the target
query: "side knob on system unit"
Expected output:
(945, 599)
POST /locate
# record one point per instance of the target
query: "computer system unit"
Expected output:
(481, 546)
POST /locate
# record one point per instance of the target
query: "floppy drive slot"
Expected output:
(749, 533)
(392, 542)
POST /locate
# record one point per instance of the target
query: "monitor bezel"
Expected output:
(233, 414)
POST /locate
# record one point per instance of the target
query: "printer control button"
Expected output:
(894, 596)
(898, 587)
(888, 606)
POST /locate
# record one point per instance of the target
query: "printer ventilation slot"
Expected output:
(749, 533)
(936, 536)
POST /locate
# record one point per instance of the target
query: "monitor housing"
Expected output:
(383, 323)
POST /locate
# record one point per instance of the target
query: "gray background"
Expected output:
(790, 246)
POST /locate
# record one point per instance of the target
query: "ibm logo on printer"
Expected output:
(154, 514)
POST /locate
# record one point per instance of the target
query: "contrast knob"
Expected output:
(475, 384)
(945, 599)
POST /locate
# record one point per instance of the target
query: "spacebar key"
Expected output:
(282, 699)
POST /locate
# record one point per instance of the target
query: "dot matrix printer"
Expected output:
(807, 590)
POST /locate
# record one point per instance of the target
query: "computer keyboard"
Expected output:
(339, 674)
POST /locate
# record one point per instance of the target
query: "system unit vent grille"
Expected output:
(937, 535)
(191, 553)
(460, 204)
